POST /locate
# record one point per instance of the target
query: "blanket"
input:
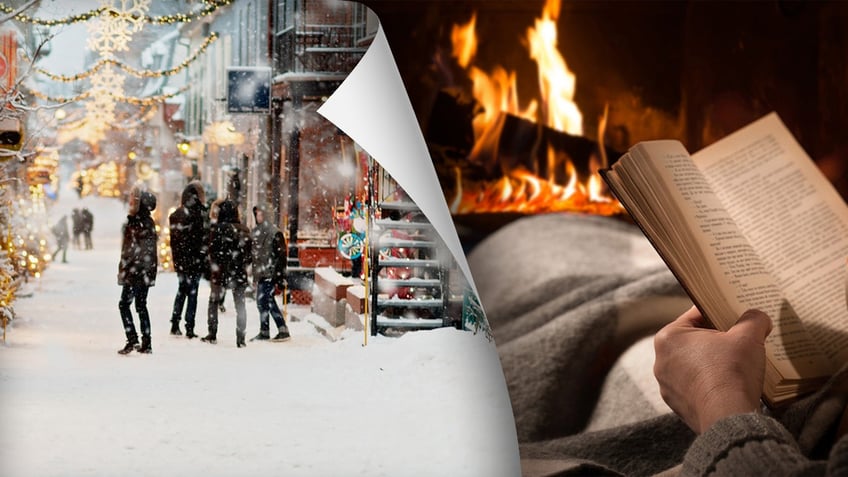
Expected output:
(573, 302)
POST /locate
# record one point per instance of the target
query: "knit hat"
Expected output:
(228, 212)
(193, 194)
(147, 201)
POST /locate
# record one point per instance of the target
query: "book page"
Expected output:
(712, 257)
(794, 219)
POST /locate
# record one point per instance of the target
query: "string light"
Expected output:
(56, 99)
(137, 73)
(112, 33)
(210, 7)
(150, 100)
(131, 121)
(108, 81)
(146, 101)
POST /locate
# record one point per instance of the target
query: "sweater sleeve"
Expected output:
(748, 444)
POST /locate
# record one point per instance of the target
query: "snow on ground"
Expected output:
(430, 403)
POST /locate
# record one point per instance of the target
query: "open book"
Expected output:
(750, 222)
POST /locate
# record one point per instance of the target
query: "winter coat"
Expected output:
(77, 222)
(269, 253)
(189, 232)
(139, 260)
(229, 248)
(60, 231)
(86, 221)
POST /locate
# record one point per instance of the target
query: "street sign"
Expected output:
(248, 89)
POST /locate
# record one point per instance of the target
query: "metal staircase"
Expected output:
(409, 276)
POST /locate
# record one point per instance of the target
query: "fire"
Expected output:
(521, 190)
(556, 82)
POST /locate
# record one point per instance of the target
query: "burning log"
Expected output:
(450, 124)
(497, 156)
(536, 148)
(546, 152)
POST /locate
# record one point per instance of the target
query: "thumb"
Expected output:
(754, 324)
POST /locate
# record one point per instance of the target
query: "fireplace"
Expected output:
(693, 71)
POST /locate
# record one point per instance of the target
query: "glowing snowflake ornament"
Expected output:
(118, 22)
(108, 81)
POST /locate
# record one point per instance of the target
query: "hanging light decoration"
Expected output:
(115, 23)
(108, 81)
(145, 101)
(118, 21)
(210, 7)
(134, 72)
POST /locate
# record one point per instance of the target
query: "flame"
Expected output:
(524, 192)
(520, 190)
(464, 42)
(556, 82)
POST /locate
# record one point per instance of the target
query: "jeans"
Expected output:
(212, 311)
(139, 294)
(267, 305)
(187, 290)
(63, 247)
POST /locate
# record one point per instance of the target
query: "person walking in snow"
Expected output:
(137, 268)
(269, 272)
(87, 226)
(76, 228)
(213, 219)
(60, 231)
(229, 257)
(189, 232)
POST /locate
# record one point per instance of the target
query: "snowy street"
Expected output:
(430, 403)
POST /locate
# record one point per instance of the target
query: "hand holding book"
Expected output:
(750, 222)
(698, 368)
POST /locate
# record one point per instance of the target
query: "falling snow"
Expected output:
(427, 403)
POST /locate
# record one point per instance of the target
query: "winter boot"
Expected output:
(190, 333)
(127, 349)
(283, 335)
(145, 348)
(240, 341)
(262, 336)
(210, 338)
(175, 328)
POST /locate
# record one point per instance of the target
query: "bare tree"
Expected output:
(14, 110)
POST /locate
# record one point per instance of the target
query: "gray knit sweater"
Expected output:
(801, 443)
(753, 444)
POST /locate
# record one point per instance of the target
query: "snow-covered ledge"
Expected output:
(329, 296)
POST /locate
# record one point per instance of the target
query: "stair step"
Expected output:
(408, 262)
(399, 205)
(402, 224)
(411, 303)
(408, 282)
(407, 243)
(385, 322)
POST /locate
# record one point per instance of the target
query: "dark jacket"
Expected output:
(229, 248)
(60, 231)
(77, 222)
(189, 232)
(139, 260)
(86, 221)
(269, 252)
